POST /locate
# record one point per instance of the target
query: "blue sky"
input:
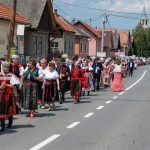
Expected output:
(128, 6)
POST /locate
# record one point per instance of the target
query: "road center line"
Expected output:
(108, 102)
(115, 97)
(72, 125)
(136, 81)
(121, 93)
(100, 107)
(45, 142)
(89, 115)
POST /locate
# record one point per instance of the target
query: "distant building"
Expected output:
(95, 37)
(144, 19)
(64, 41)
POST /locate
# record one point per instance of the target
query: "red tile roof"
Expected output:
(63, 24)
(90, 28)
(6, 13)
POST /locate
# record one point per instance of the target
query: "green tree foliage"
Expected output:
(141, 42)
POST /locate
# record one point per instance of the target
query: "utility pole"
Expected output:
(12, 28)
(90, 21)
(103, 30)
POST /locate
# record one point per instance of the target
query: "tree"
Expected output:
(141, 42)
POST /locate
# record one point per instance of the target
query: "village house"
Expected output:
(37, 35)
(64, 41)
(81, 41)
(5, 17)
(108, 41)
(95, 37)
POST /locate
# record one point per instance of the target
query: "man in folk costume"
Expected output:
(77, 74)
(64, 73)
(8, 95)
(30, 88)
(97, 69)
(17, 69)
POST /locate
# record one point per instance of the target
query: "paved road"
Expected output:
(102, 121)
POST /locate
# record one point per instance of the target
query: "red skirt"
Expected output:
(117, 84)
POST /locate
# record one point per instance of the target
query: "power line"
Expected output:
(134, 18)
(96, 9)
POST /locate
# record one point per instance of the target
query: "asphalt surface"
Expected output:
(102, 121)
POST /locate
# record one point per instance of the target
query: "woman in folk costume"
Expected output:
(77, 75)
(50, 83)
(17, 69)
(30, 88)
(42, 68)
(87, 85)
(8, 95)
(64, 73)
(117, 84)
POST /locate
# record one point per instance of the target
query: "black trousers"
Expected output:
(96, 80)
(10, 120)
(130, 72)
(2, 124)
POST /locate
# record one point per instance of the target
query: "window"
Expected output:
(54, 46)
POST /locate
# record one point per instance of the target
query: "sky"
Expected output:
(115, 20)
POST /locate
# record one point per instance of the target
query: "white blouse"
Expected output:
(51, 75)
(118, 68)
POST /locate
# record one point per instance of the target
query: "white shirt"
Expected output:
(42, 72)
(118, 68)
(51, 75)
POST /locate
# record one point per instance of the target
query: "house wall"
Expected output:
(4, 39)
(36, 44)
(92, 41)
(69, 43)
(60, 41)
(85, 50)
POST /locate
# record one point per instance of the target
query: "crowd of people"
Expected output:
(47, 81)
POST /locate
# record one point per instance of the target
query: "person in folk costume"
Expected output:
(8, 95)
(77, 75)
(64, 74)
(117, 84)
(50, 83)
(97, 69)
(30, 82)
(73, 60)
(42, 68)
(17, 69)
(105, 73)
(87, 85)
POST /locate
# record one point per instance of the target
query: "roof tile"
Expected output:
(64, 25)
(6, 13)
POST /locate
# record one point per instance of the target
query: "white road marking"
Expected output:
(136, 81)
(72, 125)
(89, 115)
(108, 102)
(121, 93)
(100, 107)
(45, 142)
(115, 97)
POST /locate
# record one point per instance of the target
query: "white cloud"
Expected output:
(122, 5)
